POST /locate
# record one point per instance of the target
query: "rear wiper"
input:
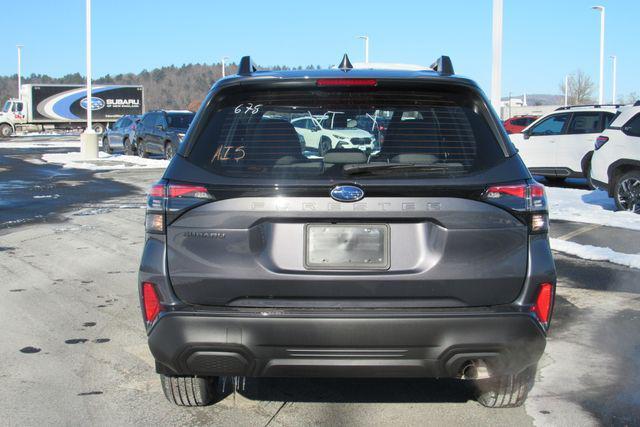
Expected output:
(378, 167)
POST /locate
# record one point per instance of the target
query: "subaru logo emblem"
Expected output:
(96, 103)
(347, 193)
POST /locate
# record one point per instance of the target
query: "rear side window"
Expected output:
(632, 127)
(179, 121)
(318, 134)
(586, 123)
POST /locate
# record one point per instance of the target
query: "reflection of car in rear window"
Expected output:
(315, 134)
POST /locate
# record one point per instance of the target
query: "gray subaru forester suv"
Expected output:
(428, 257)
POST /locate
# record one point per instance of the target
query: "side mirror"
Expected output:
(526, 134)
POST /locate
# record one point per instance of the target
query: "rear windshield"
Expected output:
(346, 134)
(179, 120)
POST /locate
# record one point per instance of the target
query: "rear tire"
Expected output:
(105, 145)
(98, 128)
(5, 130)
(626, 192)
(189, 391)
(506, 391)
(587, 175)
(142, 152)
(324, 146)
(169, 151)
(128, 148)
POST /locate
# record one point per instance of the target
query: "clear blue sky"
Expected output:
(543, 39)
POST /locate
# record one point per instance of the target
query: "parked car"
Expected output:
(376, 125)
(120, 135)
(162, 131)
(615, 166)
(332, 130)
(430, 258)
(559, 145)
(517, 124)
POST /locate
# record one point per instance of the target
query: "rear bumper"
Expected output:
(437, 345)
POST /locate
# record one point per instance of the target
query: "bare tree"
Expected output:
(631, 98)
(580, 88)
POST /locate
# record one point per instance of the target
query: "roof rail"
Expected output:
(569, 107)
(247, 66)
(443, 66)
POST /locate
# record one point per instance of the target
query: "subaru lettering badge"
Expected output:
(347, 193)
(96, 103)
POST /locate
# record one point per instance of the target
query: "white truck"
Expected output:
(49, 106)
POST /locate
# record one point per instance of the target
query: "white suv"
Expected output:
(615, 166)
(331, 131)
(559, 145)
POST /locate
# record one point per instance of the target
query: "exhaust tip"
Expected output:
(475, 370)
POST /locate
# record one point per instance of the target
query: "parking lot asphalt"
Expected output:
(74, 350)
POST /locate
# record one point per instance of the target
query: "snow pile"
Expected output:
(105, 161)
(592, 207)
(596, 253)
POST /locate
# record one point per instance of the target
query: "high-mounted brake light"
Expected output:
(150, 301)
(600, 141)
(347, 82)
(544, 303)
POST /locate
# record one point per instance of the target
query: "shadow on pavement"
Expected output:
(355, 390)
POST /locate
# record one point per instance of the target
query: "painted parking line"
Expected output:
(579, 231)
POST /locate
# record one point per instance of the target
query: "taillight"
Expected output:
(600, 141)
(346, 82)
(527, 200)
(150, 302)
(167, 200)
(186, 190)
(544, 304)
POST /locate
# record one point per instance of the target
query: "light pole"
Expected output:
(496, 66)
(601, 89)
(19, 46)
(222, 60)
(89, 138)
(366, 48)
(614, 60)
(566, 90)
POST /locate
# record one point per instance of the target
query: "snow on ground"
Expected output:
(105, 161)
(595, 253)
(45, 143)
(592, 207)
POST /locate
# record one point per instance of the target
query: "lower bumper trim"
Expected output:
(188, 344)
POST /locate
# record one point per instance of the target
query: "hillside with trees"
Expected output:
(184, 87)
(167, 87)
